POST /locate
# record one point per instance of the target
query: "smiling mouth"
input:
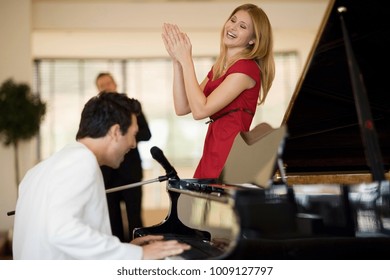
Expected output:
(231, 35)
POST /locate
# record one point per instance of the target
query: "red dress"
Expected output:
(228, 122)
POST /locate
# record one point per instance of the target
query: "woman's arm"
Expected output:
(202, 106)
(180, 49)
(180, 100)
(179, 95)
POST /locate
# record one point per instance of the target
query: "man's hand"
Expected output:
(154, 247)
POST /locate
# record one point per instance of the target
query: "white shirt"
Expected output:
(61, 211)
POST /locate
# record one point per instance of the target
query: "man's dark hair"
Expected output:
(103, 111)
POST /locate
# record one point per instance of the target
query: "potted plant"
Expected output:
(21, 113)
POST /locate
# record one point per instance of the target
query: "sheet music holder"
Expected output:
(254, 156)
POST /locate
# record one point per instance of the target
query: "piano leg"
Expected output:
(172, 224)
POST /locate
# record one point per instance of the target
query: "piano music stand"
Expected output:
(255, 155)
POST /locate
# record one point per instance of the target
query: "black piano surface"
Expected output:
(316, 221)
(281, 222)
(322, 121)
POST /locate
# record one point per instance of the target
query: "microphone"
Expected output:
(158, 155)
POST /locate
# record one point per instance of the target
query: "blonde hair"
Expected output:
(261, 51)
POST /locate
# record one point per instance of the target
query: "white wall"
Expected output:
(110, 29)
(125, 29)
(15, 62)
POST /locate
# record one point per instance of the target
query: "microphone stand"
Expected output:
(133, 185)
(124, 187)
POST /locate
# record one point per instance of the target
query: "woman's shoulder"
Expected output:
(245, 63)
(246, 66)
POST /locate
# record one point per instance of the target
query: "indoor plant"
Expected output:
(21, 113)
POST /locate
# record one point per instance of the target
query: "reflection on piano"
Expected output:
(332, 205)
(217, 217)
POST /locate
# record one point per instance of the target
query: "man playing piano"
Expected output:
(61, 211)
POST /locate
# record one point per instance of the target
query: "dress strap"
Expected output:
(213, 119)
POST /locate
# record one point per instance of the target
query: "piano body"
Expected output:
(325, 140)
(329, 205)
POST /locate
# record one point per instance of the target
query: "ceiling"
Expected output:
(161, 1)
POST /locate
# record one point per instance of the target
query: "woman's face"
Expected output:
(238, 30)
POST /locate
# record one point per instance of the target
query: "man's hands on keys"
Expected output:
(154, 247)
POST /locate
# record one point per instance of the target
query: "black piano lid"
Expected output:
(322, 122)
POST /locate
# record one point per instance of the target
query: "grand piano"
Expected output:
(330, 199)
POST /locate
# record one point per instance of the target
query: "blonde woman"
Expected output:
(238, 81)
